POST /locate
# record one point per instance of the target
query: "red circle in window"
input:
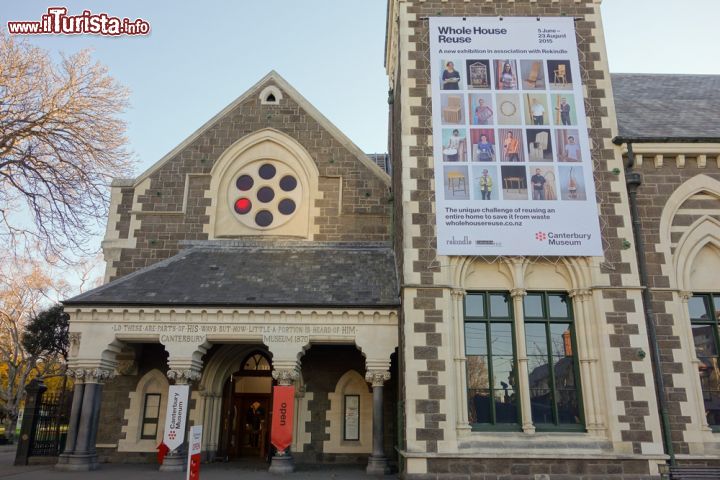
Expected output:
(243, 205)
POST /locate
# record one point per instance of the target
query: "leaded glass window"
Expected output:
(491, 360)
(704, 316)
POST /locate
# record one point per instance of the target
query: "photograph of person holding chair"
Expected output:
(450, 77)
(483, 144)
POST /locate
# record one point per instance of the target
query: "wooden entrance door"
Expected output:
(253, 428)
(247, 404)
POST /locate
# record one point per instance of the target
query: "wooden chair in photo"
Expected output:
(572, 186)
(550, 193)
(537, 148)
(532, 78)
(519, 182)
(456, 183)
(560, 75)
(452, 113)
(462, 151)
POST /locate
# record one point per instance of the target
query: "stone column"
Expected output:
(83, 457)
(210, 424)
(458, 332)
(285, 373)
(176, 460)
(587, 359)
(378, 463)
(73, 423)
(523, 390)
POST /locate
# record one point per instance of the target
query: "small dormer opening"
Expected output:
(270, 95)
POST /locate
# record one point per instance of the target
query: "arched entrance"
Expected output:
(246, 409)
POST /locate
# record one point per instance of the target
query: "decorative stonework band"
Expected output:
(285, 376)
(90, 375)
(377, 378)
(184, 376)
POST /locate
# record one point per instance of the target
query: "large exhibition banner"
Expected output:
(513, 171)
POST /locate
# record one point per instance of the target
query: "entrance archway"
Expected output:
(246, 410)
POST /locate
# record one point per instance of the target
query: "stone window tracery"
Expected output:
(265, 194)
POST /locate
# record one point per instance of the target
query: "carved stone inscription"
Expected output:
(196, 333)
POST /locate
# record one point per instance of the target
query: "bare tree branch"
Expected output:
(26, 286)
(61, 142)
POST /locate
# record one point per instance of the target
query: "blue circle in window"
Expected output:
(263, 218)
(267, 171)
(286, 206)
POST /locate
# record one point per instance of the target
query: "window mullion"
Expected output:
(551, 364)
(551, 371)
(491, 373)
(576, 367)
(516, 368)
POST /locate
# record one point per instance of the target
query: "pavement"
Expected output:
(213, 471)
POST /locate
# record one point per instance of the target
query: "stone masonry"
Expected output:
(425, 336)
(156, 208)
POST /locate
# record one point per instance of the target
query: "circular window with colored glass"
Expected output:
(264, 194)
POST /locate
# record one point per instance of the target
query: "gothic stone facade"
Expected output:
(258, 248)
(173, 243)
(621, 434)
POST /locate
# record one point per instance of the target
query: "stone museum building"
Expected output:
(267, 249)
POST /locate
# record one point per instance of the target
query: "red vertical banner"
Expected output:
(282, 421)
(195, 444)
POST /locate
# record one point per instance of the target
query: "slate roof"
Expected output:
(667, 106)
(247, 273)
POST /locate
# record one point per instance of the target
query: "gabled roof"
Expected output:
(272, 78)
(667, 107)
(245, 273)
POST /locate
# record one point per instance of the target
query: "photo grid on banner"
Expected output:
(513, 170)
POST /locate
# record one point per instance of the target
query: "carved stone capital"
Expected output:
(581, 293)
(457, 294)
(77, 374)
(90, 375)
(518, 292)
(182, 377)
(377, 378)
(285, 376)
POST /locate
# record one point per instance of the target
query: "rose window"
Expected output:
(264, 194)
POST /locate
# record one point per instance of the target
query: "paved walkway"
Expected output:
(215, 471)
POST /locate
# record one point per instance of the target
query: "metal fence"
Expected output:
(48, 436)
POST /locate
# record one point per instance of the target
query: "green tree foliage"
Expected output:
(46, 334)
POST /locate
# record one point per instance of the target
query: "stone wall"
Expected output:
(115, 401)
(660, 181)
(504, 469)
(157, 213)
(628, 418)
(322, 367)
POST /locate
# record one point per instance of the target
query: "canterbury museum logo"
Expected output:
(563, 239)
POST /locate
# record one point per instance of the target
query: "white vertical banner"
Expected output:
(513, 166)
(176, 415)
(195, 447)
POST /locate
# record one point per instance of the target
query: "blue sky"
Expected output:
(202, 55)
